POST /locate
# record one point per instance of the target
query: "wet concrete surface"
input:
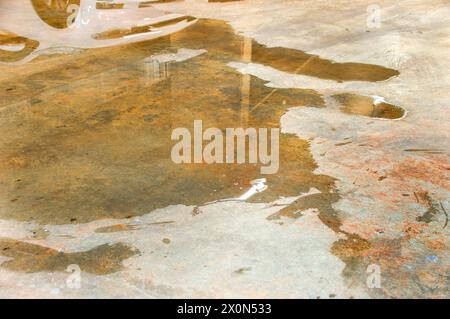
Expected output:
(115, 136)
(86, 167)
(30, 258)
(368, 106)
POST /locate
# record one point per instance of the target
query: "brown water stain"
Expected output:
(95, 143)
(299, 62)
(365, 105)
(119, 33)
(432, 208)
(101, 5)
(426, 150)
(116, 228)
(105, 119)
(30, 258)
(102, 147)
(144, 4)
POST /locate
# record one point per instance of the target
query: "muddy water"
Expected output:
(365, 105)
(87, 136)
(30, 258)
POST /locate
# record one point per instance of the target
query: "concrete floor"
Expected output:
(86, 177)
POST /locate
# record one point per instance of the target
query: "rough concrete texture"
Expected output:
(392, 177)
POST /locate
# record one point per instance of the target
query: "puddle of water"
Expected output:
(109, 5)
(299, 62)
(86, 135)
(89, 136)
(95, 130)
(30, 258)
(144, 4)
(368, 106)
(120, 33)
(116, 228)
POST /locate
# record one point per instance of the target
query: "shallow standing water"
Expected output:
(89, 134)
(85, 134)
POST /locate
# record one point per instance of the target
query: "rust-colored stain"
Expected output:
(101, 5)
(86, 136)
(89, 134)
(119, 33)
(31, 258)
(116, 228)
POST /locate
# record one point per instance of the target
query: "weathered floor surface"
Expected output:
(92, 205)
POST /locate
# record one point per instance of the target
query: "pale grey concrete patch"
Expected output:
(204, 257)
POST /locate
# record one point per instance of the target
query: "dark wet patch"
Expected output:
(321, 201)
(86, 150)
(117, 228)
(365, 105)
(343, 143)
(290, 211)
(242, 270)
(119, 33)
(351, 247)
(432, 207)
(426, 150)
(428, 216)
(144, 4)
(162, 223)
(97, 145)
(103, 5)
(299, 62)
(30, 258)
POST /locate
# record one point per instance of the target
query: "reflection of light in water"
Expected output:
(140, 34)
(121, 129)
(155, 71)
(71, 26)
(258, 186)
(156, 67)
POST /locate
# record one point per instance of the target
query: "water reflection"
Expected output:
(77, 24)
(368, 106)
(87, 135)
